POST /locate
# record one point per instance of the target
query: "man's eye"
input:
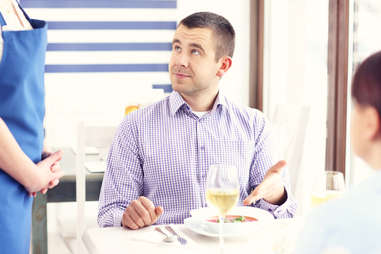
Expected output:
(177, 48)
(196, 52)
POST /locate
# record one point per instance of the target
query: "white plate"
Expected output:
(199, 222)
(196, 226)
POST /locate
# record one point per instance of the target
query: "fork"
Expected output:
(181, 240)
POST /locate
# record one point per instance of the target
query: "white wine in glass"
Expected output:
(224, 201)
(329, 185)
(222, 192)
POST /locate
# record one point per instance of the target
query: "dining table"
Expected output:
(275, 237)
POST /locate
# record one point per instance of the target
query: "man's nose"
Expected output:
(183, 60)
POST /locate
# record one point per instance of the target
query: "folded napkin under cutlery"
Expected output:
(151, 235)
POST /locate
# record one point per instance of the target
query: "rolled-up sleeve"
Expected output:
(283, 211)
(123, 178)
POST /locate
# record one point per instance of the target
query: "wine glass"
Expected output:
(222, 192)
(329, 185)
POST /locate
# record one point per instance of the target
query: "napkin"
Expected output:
(151, 236)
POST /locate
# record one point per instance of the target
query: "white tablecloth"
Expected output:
(279, 237)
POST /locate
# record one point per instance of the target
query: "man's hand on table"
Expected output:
(271, 188)
(141, 213)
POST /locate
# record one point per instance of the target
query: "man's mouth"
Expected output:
(181, 75)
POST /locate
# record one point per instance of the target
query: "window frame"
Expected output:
(338, 59)
(337, 67)
(257, 27)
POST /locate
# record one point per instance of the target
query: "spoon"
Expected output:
(167, 238)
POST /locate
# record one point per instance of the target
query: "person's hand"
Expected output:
(53, 183)
(54, 168)
(50, 172)
(271, 188)
(141, 213)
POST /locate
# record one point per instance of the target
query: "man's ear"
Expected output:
(225, 64)
(372, 123)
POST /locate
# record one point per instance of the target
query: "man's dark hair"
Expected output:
(221, 27)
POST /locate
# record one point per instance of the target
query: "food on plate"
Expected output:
(233, 219)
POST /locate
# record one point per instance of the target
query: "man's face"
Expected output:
(193, 67)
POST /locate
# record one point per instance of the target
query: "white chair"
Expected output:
(289, 132)
(94, 141)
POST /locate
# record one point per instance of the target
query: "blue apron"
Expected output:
(22, 108)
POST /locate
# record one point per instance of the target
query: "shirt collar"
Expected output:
(176, 102)
(220, 100)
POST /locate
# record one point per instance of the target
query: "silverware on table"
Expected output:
(181, 240)
(168, 238)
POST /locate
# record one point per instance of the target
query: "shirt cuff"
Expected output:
(117, 218)
(279, 211)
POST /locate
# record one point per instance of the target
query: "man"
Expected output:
(159, 160)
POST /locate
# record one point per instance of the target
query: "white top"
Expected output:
(200, 113)
(14, 18)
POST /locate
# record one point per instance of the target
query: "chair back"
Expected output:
(94, 141)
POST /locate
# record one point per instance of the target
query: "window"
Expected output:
(295, 87)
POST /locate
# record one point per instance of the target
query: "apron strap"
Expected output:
(2, 21)
(26, 15)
